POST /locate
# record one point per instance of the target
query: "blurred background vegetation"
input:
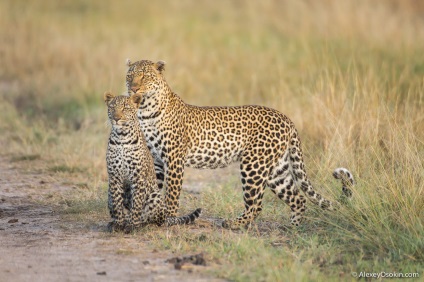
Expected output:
(350, 74)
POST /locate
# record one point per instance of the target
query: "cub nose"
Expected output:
(117, 116)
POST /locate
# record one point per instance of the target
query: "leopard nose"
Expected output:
(116, 117)
(135, 89)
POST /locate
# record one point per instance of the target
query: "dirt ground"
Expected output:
(37, 244)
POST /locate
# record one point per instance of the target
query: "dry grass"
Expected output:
(348, 73)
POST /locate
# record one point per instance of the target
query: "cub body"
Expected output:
(132, 178)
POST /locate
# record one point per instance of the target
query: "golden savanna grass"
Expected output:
(350, 74)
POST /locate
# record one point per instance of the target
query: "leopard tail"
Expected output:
(186, 219)
(299, 173)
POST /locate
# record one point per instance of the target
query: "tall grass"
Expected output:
(348, 73)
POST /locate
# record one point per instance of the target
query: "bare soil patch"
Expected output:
(38, 244)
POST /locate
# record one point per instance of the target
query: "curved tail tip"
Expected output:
(344, 174)
(347, 180)
(198, 211)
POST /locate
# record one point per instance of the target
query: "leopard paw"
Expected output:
(132, 227)
(230, 224)
(113, 226)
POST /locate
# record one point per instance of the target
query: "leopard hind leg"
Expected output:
(282, 183)
(253, 180)
(300, 177)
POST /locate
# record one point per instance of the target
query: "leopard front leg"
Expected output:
(139, 191)
(116, 203)
(174, 173)
(159, 170)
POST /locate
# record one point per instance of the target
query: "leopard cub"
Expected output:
(132, 178)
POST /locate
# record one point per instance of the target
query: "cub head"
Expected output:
(122, 110)
(145, 77)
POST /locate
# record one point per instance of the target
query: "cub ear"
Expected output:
(136, 99)
(108, 96)
(160, 66)
(128, 62)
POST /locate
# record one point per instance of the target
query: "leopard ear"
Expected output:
(160, 66)
(136, 99)
(108, 96)
(128, 62)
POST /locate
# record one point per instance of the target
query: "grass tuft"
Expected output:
(65, 168)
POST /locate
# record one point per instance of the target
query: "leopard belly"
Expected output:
(219, 156)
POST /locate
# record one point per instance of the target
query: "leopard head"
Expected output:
(145, 77)
(122, 110)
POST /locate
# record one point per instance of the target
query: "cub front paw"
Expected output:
(132, 227)
(115, 227)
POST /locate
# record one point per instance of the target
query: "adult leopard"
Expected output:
(132, 179)
(263, 140)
